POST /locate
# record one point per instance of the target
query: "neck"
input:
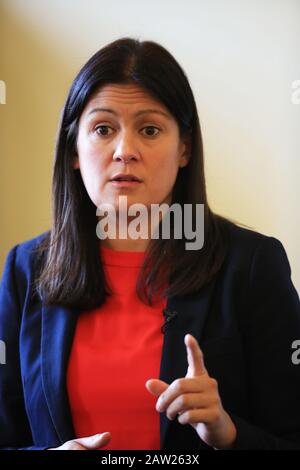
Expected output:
(125, 244)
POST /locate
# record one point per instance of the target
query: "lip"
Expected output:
(134, 178)
(125, 184)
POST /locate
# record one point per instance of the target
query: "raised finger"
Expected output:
(196, 366)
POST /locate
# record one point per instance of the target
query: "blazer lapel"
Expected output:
(58, 325)
(191, 311)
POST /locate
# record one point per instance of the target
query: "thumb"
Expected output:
(156, 386)
(95, 441)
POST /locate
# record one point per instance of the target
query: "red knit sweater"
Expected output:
(116, 349)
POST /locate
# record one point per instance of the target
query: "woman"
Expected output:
(121, 342)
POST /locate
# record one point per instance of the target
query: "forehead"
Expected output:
(123, 97)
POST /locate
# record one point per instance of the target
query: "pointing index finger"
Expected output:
(194, 356)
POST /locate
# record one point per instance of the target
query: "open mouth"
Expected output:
(124, 180)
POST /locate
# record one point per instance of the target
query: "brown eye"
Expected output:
(102, 130)
(151, 133)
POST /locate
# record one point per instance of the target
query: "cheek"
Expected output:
(90, 156)
(166, 167)
(164, 173)
(92, 168)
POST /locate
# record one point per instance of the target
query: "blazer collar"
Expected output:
(58, 326)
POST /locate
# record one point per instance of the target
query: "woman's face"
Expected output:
(124, 130)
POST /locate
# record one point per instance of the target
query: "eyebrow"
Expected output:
(138, 113)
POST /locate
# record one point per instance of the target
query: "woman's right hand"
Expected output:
(86, 443)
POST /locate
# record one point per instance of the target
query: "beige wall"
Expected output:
(241, 57)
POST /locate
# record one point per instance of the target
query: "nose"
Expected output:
(126, 150)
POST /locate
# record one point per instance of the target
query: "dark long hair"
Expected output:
(71, 271)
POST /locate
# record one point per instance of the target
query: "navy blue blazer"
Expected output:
(245, 321)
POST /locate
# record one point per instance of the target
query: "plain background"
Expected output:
(241, 57)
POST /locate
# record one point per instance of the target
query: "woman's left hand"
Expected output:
(196, 401)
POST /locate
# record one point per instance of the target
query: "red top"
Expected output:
(116, 349)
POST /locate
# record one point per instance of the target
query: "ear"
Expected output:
(185, 150)
(76, 165)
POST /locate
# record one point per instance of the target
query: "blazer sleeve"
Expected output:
(15, 433)
(271, 323)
